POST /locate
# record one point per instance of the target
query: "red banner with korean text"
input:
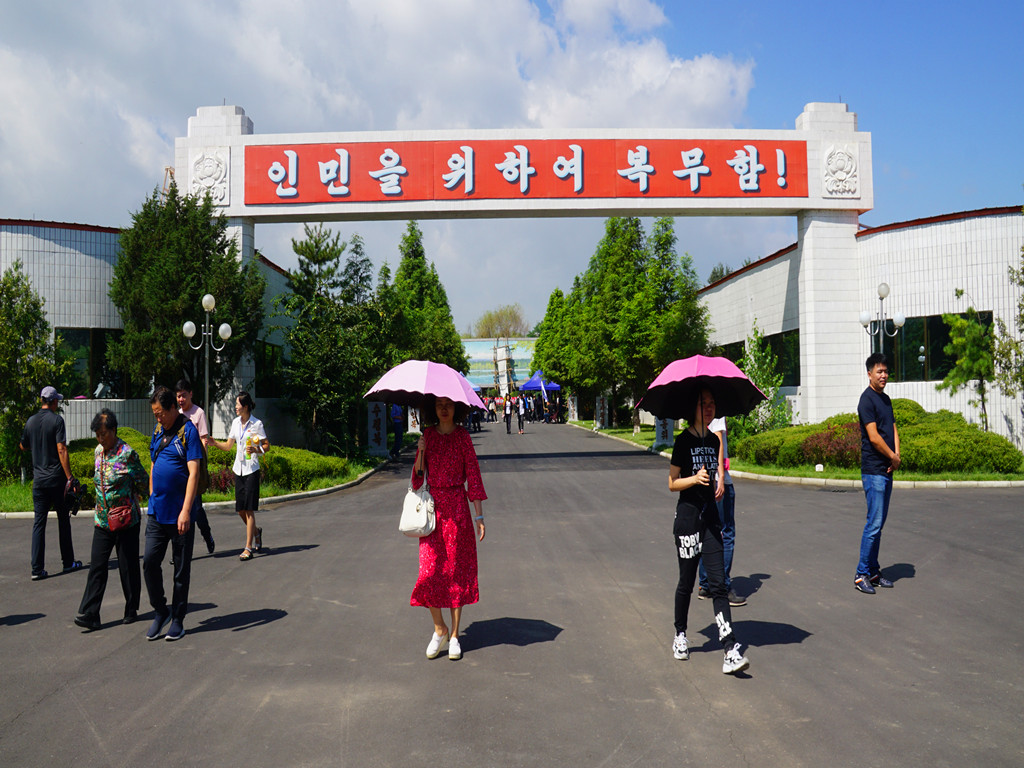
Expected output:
(507, 170)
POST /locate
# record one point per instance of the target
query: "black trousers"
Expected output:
(45, 498)
(508, 423)
(698, 534)
(126, 542)
(158, 536)
(202, 522)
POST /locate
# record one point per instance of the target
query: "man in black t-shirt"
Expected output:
(879, 458)
(45, 437)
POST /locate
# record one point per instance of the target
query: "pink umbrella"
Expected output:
(674, 394)
(410, 382)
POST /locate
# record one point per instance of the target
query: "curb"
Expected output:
(826, 482)
(229, 506)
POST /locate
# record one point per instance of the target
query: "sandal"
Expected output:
(259, 539)
(246, 555)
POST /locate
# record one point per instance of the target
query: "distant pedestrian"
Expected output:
(195, 414)
(44, 435)
(448, 560)
(697, 531)
(249, 440)
(521, 411)
(508, 414)
(173, 483)
(120, 481)
(879, 459)
(397, 427)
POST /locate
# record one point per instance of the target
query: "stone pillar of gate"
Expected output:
(831, 339)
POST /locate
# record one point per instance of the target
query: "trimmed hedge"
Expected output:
(931, 443)
(290, 468)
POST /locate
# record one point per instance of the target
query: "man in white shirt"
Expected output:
(195, 414)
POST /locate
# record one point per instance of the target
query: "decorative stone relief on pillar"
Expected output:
(840, 171)
(209, 171)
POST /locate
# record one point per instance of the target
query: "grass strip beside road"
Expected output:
(645, 439)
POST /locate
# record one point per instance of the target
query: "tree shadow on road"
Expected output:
(508, 631)
(237, 622)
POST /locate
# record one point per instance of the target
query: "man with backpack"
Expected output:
(195, 414)
(176, 451)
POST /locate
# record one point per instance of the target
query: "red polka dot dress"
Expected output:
(448, 566)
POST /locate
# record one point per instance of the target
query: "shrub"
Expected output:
(906, 412)
(836, 446)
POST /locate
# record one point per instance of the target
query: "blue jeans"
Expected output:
(727, 516)
(877, 490)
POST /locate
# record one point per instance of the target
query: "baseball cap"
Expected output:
(49, 393)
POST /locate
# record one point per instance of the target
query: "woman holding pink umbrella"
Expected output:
(448, 563)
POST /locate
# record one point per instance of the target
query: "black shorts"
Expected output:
(247, 492)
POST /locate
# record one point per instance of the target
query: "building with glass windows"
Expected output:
(70, 266)
(933, 266)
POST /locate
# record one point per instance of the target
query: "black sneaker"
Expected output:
(863, 584)
(703, 593)
(89, 623)
(878, 580)
(76, 565)
(39, 576)
(130, 617)
(209, 546)
(735, 600)
(156, 629)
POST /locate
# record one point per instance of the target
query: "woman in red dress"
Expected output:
(448, 568)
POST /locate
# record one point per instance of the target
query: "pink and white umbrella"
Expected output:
(674, 394)
(410, 382)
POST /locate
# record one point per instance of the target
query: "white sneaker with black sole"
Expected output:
(734, 661)
(679, 647)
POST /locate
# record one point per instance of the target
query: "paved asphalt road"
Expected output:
(311, 656)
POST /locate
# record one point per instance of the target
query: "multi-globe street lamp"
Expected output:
(206, 340)
(876, 326)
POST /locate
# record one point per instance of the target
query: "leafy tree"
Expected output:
(27, 360)
(972, 345)
(319, 272)
(761, 366)
(719, 272)
(547, 352)
(357, 274)
(428, 315)
(507, 320)
(1009, 345)
(177, 250)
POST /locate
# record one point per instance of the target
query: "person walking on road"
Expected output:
(397, 426)
(521, 406)
(698, 532)
(120, 481)
(448, 560)
(249, 439)
(509, 405)
(879, 459)
(173, 483)
(725, 500)
(44, 435)
(195, 414)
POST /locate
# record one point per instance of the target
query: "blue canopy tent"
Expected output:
(534, 383)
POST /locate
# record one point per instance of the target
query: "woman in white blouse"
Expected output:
(250, 441)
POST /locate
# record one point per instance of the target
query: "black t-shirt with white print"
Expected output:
(690, 453)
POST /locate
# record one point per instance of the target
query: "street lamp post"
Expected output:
(206, 340)
(876, 327)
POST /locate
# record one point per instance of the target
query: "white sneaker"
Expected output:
(454, 650)
(437, 644)
(734, 661)
(679, 648)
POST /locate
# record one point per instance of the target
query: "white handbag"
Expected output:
(417, 512)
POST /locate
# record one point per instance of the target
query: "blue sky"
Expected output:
(94, 94)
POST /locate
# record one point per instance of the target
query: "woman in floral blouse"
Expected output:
(120, 481)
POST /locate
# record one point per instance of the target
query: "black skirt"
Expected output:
(247, 492)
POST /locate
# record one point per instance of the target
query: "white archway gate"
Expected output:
(820, 172)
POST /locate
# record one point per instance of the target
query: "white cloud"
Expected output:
(94, 96)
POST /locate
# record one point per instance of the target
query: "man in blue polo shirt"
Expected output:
(879, 458)
(173, 481)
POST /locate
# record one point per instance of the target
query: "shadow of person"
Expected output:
(898, 571)
(15, 619)
(748, 585)
(757, 634)
(237, 622)
(234, 553)
(508, 631)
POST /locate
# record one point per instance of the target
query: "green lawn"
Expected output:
(646, 439)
